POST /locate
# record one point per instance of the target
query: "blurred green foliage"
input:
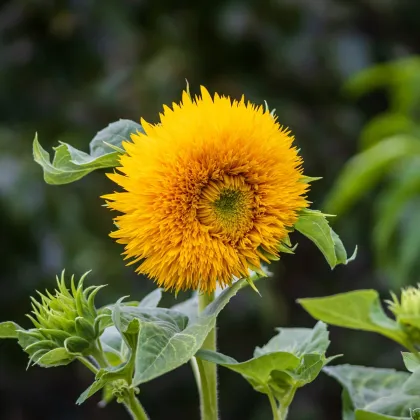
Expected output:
(69, 68)
(388, 168)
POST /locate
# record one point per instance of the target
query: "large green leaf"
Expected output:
(290, 360)
(165, 345)
(359, 310)
(9, 329)
(314, 225)
(70, 164)
(378, 393)
(364, 170)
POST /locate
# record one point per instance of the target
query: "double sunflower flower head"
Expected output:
(208, 194)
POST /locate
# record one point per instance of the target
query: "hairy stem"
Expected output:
(207, 370)
(88, 364)
(134, 407)
(285, 403)
(131, 403)
(273, 405)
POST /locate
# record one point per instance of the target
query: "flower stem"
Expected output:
(130, 401)
(89, 365)
(99, 356)
(273, 405)
(134, 407)
(207, 370)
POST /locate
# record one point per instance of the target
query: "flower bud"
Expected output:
(66, 320)
(415, 414)
(407, 311)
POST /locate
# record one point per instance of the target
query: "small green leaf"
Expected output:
(93, 389)
(378, 393)
(103, 378)
(256, 370)
(287, 362)
(309, 179)
(298, 341)
(55, 357)
(113, 135)
(411, 362)
(76, 345)
(314, 225)
(152, 299)
(84, 329)
(70, 164)
(9, 329)
(359, 310)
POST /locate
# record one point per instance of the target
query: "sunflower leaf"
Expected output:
(70, 164)
(9, 329)
(377, 394)
(359, 310)
(166, 339)
(290, 360)
(314, 225)
(411, 362)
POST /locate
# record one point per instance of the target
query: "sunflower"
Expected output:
(209, 193)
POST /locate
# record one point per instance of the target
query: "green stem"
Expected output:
(285, 403)
(134, 407)
(207, 370)
(99, 356)
(89, 365)
(196, 373)
(131, 403)
(273, 405)
(282, 413)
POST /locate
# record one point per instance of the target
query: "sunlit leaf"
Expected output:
(314, 225)
(165, 345)
(411, 361)
(360, 310)
(378, 394)
(70, 164)
(8, 329)
(290, 360)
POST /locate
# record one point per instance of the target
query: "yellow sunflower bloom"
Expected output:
(209, 193)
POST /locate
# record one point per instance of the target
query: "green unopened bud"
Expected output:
(66, 324)
(407, 311)
(76, 345)
(415, 414)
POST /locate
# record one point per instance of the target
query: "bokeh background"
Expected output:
(68, 68)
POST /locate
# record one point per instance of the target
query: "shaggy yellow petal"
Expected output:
(208, 193)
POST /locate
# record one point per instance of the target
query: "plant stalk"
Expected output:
(207, 370)
(131, 403)
(273, 405)
(134, 407)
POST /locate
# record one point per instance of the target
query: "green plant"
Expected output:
(387, 167)
(374, 393)
(127, 344)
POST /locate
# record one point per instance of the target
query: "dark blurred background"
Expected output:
(68, 68)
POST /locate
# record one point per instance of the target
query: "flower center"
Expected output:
(226, 208)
